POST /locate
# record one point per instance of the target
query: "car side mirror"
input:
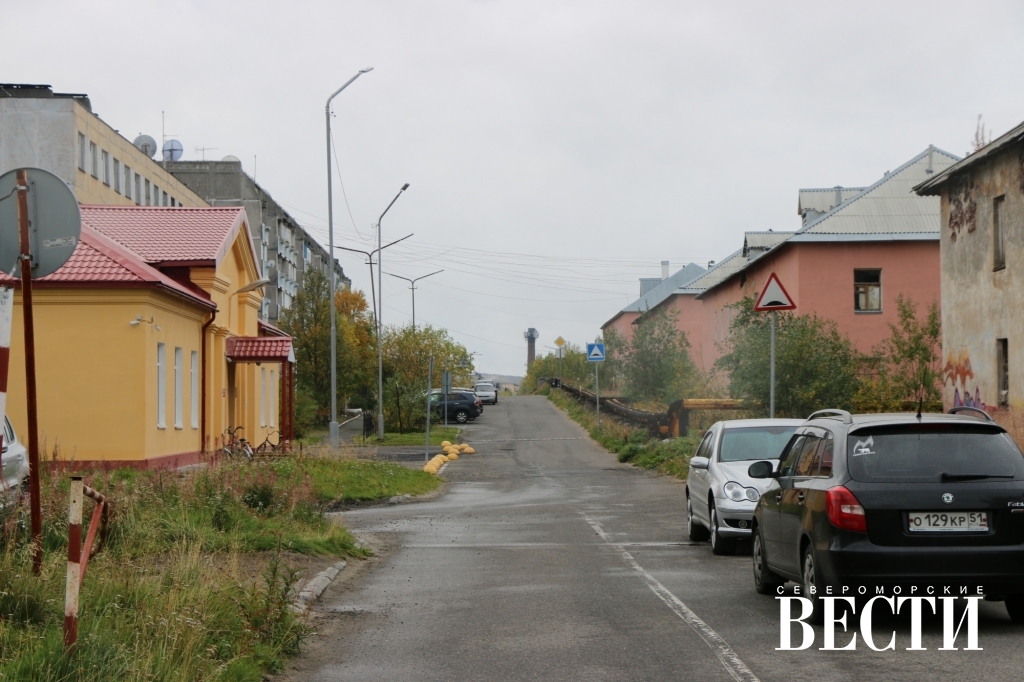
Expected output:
(762, 470)
(699, 463)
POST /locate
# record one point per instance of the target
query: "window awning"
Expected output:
(260, 349)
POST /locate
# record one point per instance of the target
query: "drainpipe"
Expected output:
(202, 381)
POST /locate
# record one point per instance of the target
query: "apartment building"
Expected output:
(285, 248)
(59, 132)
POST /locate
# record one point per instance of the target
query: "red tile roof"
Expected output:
(259, 348)
(169, 236)
(101, 262)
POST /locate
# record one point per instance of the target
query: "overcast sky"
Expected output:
(557, 151)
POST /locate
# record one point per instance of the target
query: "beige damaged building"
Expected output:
(982, 264)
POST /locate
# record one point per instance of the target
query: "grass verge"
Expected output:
(630, 444)
(437, 434)
(193, 583)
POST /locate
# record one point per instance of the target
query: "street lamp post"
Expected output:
(330, 238)
(380, 325)
(412, 286)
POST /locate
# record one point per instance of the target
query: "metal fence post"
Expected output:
(74, 576)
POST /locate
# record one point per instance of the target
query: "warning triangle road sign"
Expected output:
(774, 296)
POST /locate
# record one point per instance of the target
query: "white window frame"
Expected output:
(149, 193)
(95, 158)
(105, 161)
(195, 389)
(82, 150)
(128, 182)
(263, 396)
(272, 400)
(179, 411)
(161, 386)
(138, 190)
(117, 176)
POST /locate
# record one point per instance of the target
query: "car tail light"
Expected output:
(844, 511)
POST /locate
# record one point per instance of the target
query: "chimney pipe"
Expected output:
(839, 195)
(531, 335)
(664, 269)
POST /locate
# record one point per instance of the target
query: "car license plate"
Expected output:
(948, 521)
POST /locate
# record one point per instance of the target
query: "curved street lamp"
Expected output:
(330, 238)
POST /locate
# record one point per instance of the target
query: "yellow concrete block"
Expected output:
(445, 443)
(469, 451)
(452, 457)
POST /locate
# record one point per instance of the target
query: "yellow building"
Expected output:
(148, 342)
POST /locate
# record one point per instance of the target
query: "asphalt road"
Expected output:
(549, 560)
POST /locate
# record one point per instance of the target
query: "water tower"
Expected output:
(531, 335)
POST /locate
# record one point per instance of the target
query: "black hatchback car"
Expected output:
(461, 406)
(898, 499)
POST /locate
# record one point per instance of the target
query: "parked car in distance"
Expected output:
(720, 496)
(486, 391)
(13, 463)
(462, 406)
(881, 500)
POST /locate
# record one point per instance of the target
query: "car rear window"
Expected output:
(923, 453)
(754, 442)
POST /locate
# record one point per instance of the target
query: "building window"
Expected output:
(867, 291)
(117, 176)
(178, 388)
(94, 158)
(263, 396)
(195, 389)
(271, 401)
(138, 189)
(1003, 368)
(81, 152)
(161, 385)
(127, 181)
(149, 194)
(998, 236)
(105, 159)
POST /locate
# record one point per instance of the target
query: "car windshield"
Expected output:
(933, 453)
(754, 442)
(485, 387)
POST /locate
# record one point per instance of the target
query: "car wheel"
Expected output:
(1015, 607)
(694, 530)
(765, 581)
(720, 545)
(462, 416)
(810, 581)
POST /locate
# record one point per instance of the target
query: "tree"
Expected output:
(656, 363)
(407, 351)
(906, 366)
(308, 322)
(576, 370)
(357, 354)
(815, 365)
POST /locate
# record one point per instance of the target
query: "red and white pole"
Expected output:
(74, 577)
(6, 319)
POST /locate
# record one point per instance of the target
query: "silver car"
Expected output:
(13, 464)
(720, 497)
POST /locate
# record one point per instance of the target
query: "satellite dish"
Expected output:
(55, 223)
(173, 150)
(233, 159)
(146, 145)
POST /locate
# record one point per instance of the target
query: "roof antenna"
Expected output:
(920, 404)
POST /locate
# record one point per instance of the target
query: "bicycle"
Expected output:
(261, 449)
(235, 446)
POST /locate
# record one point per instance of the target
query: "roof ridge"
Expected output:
(872, 187)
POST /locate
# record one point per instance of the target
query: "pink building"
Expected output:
(858, 249)
(652, 292)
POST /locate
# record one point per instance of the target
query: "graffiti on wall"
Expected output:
(958, 372)
(963, 210)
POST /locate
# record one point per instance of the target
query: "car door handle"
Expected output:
(800, 497)
(778, 497)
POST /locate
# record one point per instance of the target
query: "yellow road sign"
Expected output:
(559, 342)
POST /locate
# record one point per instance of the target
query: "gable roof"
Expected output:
(164, 236)
(888, 210)
(823, 199)
(659, 293)
(98, 261)
(933, 186)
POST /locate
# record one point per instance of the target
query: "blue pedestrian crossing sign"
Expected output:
(595, 352)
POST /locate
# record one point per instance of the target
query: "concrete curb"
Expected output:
(312, 590)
